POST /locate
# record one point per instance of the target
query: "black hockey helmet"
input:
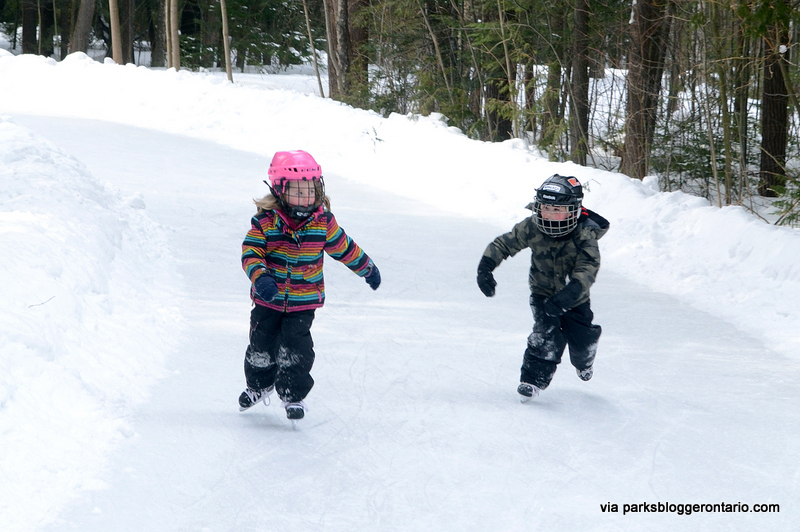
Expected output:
(563, 192)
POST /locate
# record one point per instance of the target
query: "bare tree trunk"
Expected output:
(774, 119)
(359, 38)
(709, 127)
(552, 95)
(722, 68)
(39, 26)
(491, 93)
(347, 67)
(530, 96)
(343, 47)
(726, 131)
(550, 102)
(477, 96)
(313, 48)
(158, 37)
(511, 70)
(226, 41)
(126, 11)
(65, 22)
(330, 7)
(439, 60)
(46, 27)
(168, 30)
(646, 66)
(116, 37)
(742, 82)
(579, 108)
(53, 36)
(79, 40)
(30, 21)
(174, 25)
(500, 128)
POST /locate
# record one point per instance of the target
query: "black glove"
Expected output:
(373, 278)
(553, 310)
(563, 300)
(486, 280)
(265, 286)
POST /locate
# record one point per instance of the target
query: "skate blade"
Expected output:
(294, 424)
(524, 398)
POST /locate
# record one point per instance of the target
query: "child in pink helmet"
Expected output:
(282, 255)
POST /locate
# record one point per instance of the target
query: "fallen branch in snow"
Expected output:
(40, 304)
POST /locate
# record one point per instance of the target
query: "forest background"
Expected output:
(702, 94)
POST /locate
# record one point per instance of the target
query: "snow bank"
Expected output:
(85, 323)
(723, 261)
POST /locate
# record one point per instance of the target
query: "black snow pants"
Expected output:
(551, 335)
(281, 352)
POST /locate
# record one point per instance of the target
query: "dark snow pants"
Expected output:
(281, 352)
(551, 335)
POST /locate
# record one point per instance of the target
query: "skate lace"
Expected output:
(253, 395)
(256, 395)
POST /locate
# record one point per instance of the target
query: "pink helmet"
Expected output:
(296, 165)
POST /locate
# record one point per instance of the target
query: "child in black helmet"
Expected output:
(565, 259)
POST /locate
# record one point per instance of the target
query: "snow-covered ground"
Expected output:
(124, 197)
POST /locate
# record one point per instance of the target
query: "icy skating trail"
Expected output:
(414, 423)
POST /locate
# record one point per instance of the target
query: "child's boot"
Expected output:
(250, 397)
(585, 374)
(527, 391)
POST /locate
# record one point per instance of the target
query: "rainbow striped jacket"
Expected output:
(294, 257)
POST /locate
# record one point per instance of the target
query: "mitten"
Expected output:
(486, 280)
(563, 300)
(265, 286)
(373, 278)
(553, 310)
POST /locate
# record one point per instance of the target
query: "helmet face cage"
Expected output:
(566, 195)
(281, 189)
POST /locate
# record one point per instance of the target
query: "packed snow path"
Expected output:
(414, 423)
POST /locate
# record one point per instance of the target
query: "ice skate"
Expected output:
(250, 397)
(295, 411)
(527, 392)
(585, 374)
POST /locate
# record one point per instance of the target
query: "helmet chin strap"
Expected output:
(298, 214)
(272, 190)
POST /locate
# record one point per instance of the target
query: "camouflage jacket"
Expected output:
(555, 261)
